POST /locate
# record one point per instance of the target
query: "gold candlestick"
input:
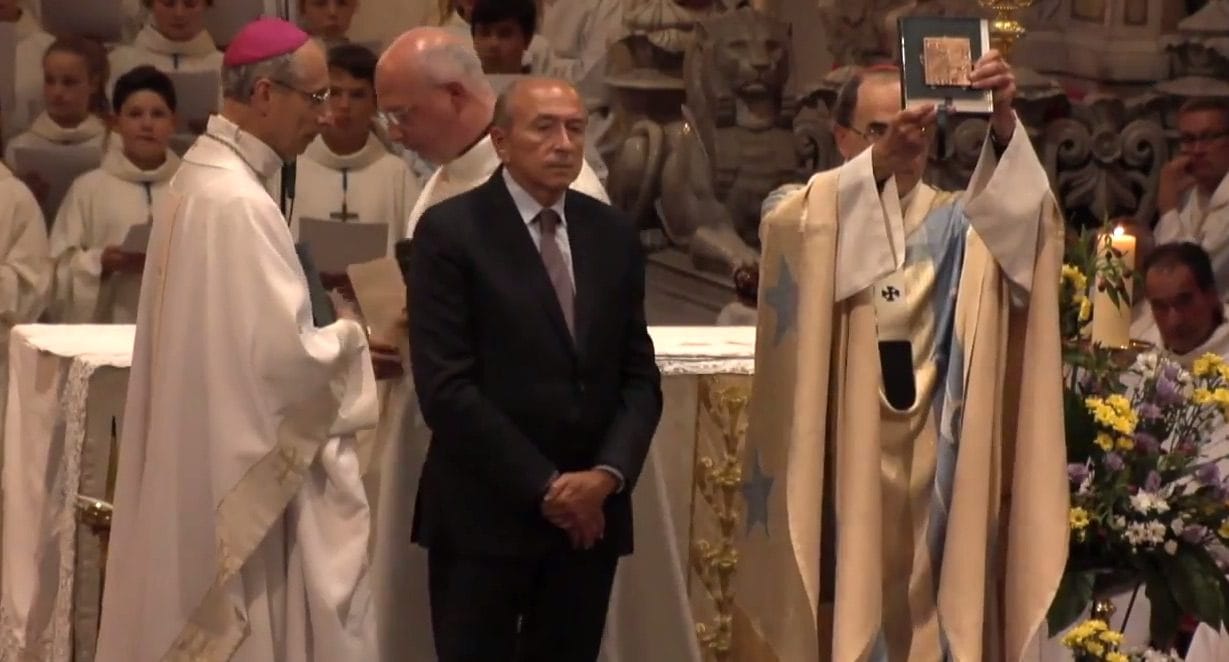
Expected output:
(1004, 28)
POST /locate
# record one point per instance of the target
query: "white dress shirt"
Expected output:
(529, 209)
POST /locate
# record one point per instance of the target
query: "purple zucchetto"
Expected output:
(263, 39)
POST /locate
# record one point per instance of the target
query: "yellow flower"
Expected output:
(1117, 657)
(1111, 637)
(1201, 396)
(1224, 529)
(1078, 517)
(1079, 282)
(1207, 365)
(1085, 308)
(1224, 372)
(1094, 648)
(1126, 443)
(1105, 441)
(1221, 396)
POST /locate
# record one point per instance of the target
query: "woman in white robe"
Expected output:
(174, 40)
(96, 281)
(32, 42)
(74, 72)
(347, 174)
(25, 269)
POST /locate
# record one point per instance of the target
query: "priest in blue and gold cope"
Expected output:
(904, 465)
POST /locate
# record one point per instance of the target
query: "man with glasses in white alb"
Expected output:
(1193, 193)
(241, 524)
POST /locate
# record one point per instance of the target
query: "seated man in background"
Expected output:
(1193, 194)
(1184, 301)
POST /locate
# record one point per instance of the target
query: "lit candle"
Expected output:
(1111, 323)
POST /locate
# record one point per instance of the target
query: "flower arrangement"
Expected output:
(1095, 641)
(1147, 506)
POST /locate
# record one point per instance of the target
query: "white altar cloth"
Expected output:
(50, 367)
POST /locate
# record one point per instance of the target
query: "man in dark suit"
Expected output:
(535, 371)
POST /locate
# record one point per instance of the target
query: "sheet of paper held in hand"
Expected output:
(380, 291)
(137, 239)
(8, 73)
(335, 245)
(100, 19)
(196, 96)
(57, 166)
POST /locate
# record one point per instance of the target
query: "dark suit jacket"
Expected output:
(509, 397)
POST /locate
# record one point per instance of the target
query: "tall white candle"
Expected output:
(1111, 323)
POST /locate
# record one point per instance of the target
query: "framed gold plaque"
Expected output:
(937, 55)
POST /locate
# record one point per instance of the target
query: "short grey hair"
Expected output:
(452, 62)
(239, 82)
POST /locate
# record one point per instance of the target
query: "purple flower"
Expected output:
(1194, 533)
(1113, 462)
(1188, 448)
(1208, 474)
(1167, 389)
(1170, 371)
(1153, 482)
(1149, 411)
(1077, 473)
(1146, 443)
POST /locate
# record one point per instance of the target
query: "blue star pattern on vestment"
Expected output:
(755, 491)
(783, 299)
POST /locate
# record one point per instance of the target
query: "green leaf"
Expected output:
(1197, 593)
(1164, 619)
(1074, 594)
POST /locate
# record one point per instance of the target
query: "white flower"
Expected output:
(1177, 526)
(1118, 522)
(1171, 547)
(1143, 502)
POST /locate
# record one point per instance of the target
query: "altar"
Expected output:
(65, 413)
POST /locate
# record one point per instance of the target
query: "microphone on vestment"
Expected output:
(288, 172)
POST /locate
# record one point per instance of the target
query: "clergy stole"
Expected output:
(951, 512)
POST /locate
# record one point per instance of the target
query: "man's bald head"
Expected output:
(430, 85)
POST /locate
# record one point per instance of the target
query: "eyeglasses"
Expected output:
(390, 118)
(314, 98)
(1191, 140)
(872, 133)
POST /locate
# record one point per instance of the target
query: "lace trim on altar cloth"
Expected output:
(705, 365)
(55, 643)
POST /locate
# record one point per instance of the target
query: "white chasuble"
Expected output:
(401, 566)
(925, 545)
(368, 186)
(98, 211)
(25, 269)
(32, 43)
(1204, 220)
(241, 526)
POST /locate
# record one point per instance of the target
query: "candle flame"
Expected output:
(1119, 231)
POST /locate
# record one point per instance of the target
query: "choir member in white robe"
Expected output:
(347, 174)
(327, 21)
(25, 268)
(458, 24)
(241, 526)
(174, 40)
(435, 100)
(32, 43)
(97, 281)
(1193, 191)
(74, 72)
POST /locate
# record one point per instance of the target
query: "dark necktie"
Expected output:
(556, 266)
